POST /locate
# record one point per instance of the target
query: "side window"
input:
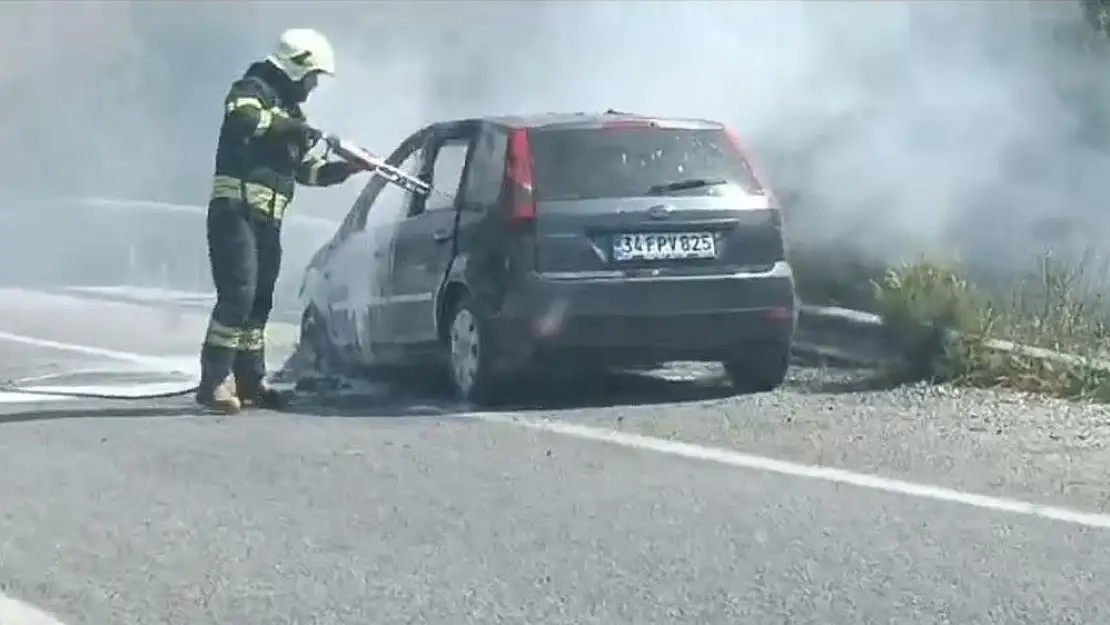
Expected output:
(487, 168)
(392, 202)
(447, 172)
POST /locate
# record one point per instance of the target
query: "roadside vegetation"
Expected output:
(948, 328)
(950, 324)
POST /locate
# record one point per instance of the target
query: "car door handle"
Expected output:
(441, 236)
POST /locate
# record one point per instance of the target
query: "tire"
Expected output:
(469, 357)
(758, 369)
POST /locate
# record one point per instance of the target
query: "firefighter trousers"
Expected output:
(244, 250)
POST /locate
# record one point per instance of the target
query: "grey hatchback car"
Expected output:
(559, 241)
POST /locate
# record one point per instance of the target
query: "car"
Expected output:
(571, 241)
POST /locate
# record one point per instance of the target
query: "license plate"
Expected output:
(664, 246)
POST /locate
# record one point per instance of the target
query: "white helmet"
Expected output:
(301, 51)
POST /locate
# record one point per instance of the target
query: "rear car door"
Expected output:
(358, 271)
(645, 197)
(425, 242)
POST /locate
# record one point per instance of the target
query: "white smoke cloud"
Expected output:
(903, 126)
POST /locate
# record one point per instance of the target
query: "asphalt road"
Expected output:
(409, 510)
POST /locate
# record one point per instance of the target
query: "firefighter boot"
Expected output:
(217, 389)
(250, 380)
(255, 392)
(221, 398)
(224, 397)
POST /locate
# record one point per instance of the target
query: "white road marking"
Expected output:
(720, 456)
(188, 366)
(75, 372)
(16, 612)
(174, 364)
(815, 472)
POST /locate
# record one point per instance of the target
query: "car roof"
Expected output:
(572, 121)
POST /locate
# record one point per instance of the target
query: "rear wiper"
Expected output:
(682, 185)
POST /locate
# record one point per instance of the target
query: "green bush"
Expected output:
(943, 326)
(933, 316)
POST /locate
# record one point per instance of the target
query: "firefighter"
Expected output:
(263, 151)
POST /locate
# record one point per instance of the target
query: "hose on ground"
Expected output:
(14, 388)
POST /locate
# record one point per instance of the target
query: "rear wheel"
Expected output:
(758, 369)
(469, 355)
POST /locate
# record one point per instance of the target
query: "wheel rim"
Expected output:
(465, 344)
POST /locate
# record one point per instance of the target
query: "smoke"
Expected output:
(893, 128)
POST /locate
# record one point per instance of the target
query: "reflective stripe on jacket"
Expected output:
(258, 196)
(259, 161)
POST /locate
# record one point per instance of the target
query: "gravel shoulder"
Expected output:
(990, 442)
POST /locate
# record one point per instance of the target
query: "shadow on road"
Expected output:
(111, 410)
(414, 397)
(393, 396)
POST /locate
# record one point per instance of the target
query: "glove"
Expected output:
(308, 135)
(337, 172)
(344, 170)
(298, 132)
(356, 166)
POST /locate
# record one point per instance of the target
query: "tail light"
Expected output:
(738, 144)
(522, 203)
(757, 173)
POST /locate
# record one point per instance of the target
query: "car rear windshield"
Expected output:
(595, 163)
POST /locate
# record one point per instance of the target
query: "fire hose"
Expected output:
(352, 153)
(346, 150)
(15, 388)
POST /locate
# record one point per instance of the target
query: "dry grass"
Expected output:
(943, 324)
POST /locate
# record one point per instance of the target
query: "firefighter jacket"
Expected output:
(262, 152)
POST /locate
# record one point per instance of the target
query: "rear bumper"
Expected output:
(630, 320)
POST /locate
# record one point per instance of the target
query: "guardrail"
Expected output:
(857, 337)
(842, 335)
